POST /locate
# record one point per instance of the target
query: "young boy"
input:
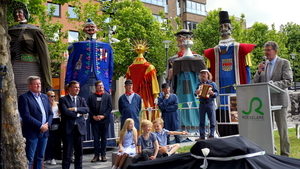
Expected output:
(162, 133)
(147, 144)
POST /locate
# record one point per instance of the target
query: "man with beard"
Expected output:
(89, 61)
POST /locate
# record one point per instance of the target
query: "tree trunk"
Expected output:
(13, 142)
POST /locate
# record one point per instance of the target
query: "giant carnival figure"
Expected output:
(229, 61)
(90, 61)
(143, 76)
(29, 51)
(186, 69)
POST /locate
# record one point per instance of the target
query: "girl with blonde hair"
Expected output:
(127, 143)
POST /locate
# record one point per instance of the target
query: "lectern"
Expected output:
(255, 113)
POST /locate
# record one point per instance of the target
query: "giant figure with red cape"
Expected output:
(145, 83)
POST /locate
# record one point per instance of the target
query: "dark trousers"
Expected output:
(100, 130)
(53, 150)
(70, 141)
(209, 109)
(146, 153)
(176, 137)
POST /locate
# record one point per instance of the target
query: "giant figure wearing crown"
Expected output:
(143, 75)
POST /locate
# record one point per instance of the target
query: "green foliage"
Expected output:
(292, 31)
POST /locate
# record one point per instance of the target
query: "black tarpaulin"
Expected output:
(222, 148)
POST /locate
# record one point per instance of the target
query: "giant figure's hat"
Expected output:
(224, 18)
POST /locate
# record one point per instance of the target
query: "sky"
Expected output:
(264, 11)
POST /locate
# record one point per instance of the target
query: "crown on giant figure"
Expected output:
(141, 45)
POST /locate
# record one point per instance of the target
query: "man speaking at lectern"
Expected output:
(277, 71)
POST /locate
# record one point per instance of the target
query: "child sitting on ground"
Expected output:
(162, 134)
(127, 143)
(147, 144)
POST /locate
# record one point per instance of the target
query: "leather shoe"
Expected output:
(199, 139)
(211, 137)
(95, 159)
(103, 159)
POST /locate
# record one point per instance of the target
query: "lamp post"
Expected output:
(293, 55)
(167, 43)
(2, 74)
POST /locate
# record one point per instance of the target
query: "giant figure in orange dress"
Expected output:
(143, 76)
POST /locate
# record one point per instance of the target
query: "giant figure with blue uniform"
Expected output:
(229, 63)
(90, 61)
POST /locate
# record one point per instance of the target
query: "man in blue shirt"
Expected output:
(207, 105)
(36, 113)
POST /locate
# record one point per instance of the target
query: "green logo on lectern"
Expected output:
(257, 110)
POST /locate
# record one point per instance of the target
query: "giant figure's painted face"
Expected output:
(90, 29)
(140, 46)
(225, 29)
(19, 15)
(181, 38)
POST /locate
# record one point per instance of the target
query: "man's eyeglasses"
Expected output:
(52, 96)
(267, 50)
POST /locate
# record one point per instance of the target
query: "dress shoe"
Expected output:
(199, 139)
(53, 162)
(72, 159)
(103, 159)
(95, 159)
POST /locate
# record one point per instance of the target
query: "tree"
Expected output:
(13, 142)
(292, 31)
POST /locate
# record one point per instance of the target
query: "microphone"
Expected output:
(264, 61)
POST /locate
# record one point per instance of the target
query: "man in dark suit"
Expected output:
(36, 113)
(277, 71)
(100, 105)
(72, 108)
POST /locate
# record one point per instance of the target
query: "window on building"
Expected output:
(195, 7)
(73, 36)
(155, 2)
(161, 20)
(166, 7)
(56, 8)
(71, 12)
(190, 25)
(178, 8)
